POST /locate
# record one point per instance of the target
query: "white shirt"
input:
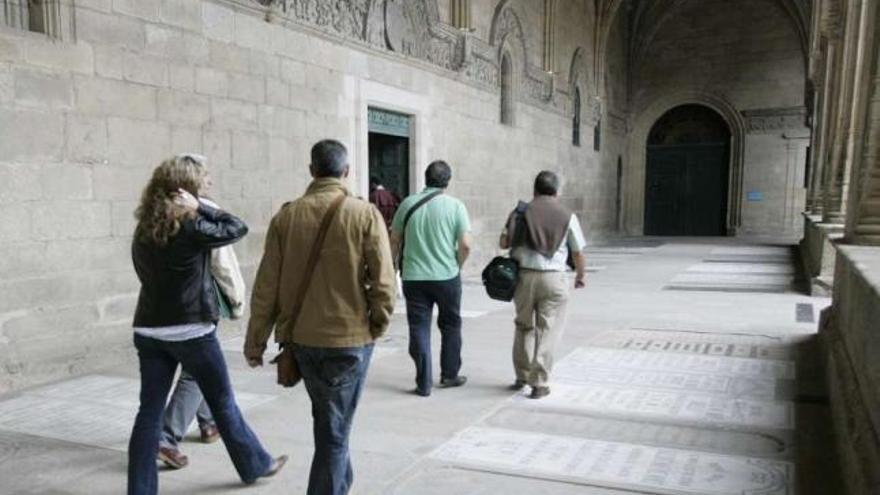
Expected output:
(176, 333)
(533, 260)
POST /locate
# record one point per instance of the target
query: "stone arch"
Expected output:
(507, 34)
(507, 80)
(635, 174)
(578, 89)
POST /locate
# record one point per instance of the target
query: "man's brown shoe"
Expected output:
(539, 392)
(276, 466)
(173, 458)
(209, 433)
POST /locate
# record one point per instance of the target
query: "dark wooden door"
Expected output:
(389, 161)
(686, 190)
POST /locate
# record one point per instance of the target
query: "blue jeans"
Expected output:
(334, 379)
(185, 404)
(203, 359)
(421, 296)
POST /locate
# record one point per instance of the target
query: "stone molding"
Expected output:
(413, 29)
(774, 119)
(56, 16)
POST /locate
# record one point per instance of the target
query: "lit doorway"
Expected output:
(389, 150)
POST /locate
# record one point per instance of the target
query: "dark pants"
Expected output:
(203, 359)
(421, 296)
(334, 379)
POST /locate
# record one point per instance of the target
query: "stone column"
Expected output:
(842, 127)
(863, 224)
(14, 13)
(549, 35)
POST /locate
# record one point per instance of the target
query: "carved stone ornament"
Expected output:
(774, 119)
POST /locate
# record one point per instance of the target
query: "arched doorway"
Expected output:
(686, 186)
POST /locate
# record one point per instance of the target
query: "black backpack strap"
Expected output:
(409, 214)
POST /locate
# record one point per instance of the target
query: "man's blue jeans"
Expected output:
(334, 379)
(421, 296)
(185, 404)
(203, 359)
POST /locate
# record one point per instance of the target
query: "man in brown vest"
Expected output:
(542, 239)
(347, 304)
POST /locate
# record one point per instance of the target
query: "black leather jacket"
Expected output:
(176, 283)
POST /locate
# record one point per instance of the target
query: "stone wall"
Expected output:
(850, 336)
(745, 60)
(83, 122)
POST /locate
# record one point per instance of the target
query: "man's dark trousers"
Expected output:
(421, 296)
(334, 379)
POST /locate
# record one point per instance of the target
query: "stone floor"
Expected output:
(687, 367)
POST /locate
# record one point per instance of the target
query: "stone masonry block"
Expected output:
(50, 320)
(120, 184)
(293, 72)
(246, 87)
(263, 64)
(7, 85)
(18, 182)
(211, 82)
(182, 77)
(231, 114)
(218, 22)
(74, 57)
(178, 107)
(11, 47)
(15, 222)
(109, 29)
(109, 61)
(145, 9)
(115, 98)
(138, 143)
(145, 69)
(123, 218)
(52, 220)
(22, 259)
(66, 181)
(277, 121)
(42, 89)
(30, 135)
(229, 57)
(277, 92)
(250, 151)
(251, 31)
(86, 139)
(177, 45)
(102, 5)
(217, 146)
(186, 140)
(186, 14)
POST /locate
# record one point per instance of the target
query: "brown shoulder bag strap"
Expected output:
(314, 254)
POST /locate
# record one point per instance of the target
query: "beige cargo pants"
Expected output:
(541, 299)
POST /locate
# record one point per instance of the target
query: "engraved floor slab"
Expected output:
(720, 384)
(616, 464)
(93, 410)
(590, 357)
(745, 268)
(689, 342)
(667, 406)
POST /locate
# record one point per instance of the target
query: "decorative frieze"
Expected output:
(774, 119)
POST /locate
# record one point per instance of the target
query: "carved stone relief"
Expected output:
(774, 119)
(413, 28)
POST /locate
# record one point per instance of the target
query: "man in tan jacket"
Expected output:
(347, 305)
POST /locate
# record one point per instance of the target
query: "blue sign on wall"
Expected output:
(755, 196)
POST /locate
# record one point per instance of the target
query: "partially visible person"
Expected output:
(347, 305)
(176, 317)
(541, 242)
(186, 400)
(385, 200)
(430, 232)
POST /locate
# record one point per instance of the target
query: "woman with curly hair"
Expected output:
(176, 317)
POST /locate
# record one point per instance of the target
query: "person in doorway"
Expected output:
(187, 401)
(385, 200)
(430, 231)
(176, 317)
(346, 306)
(541, 240)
